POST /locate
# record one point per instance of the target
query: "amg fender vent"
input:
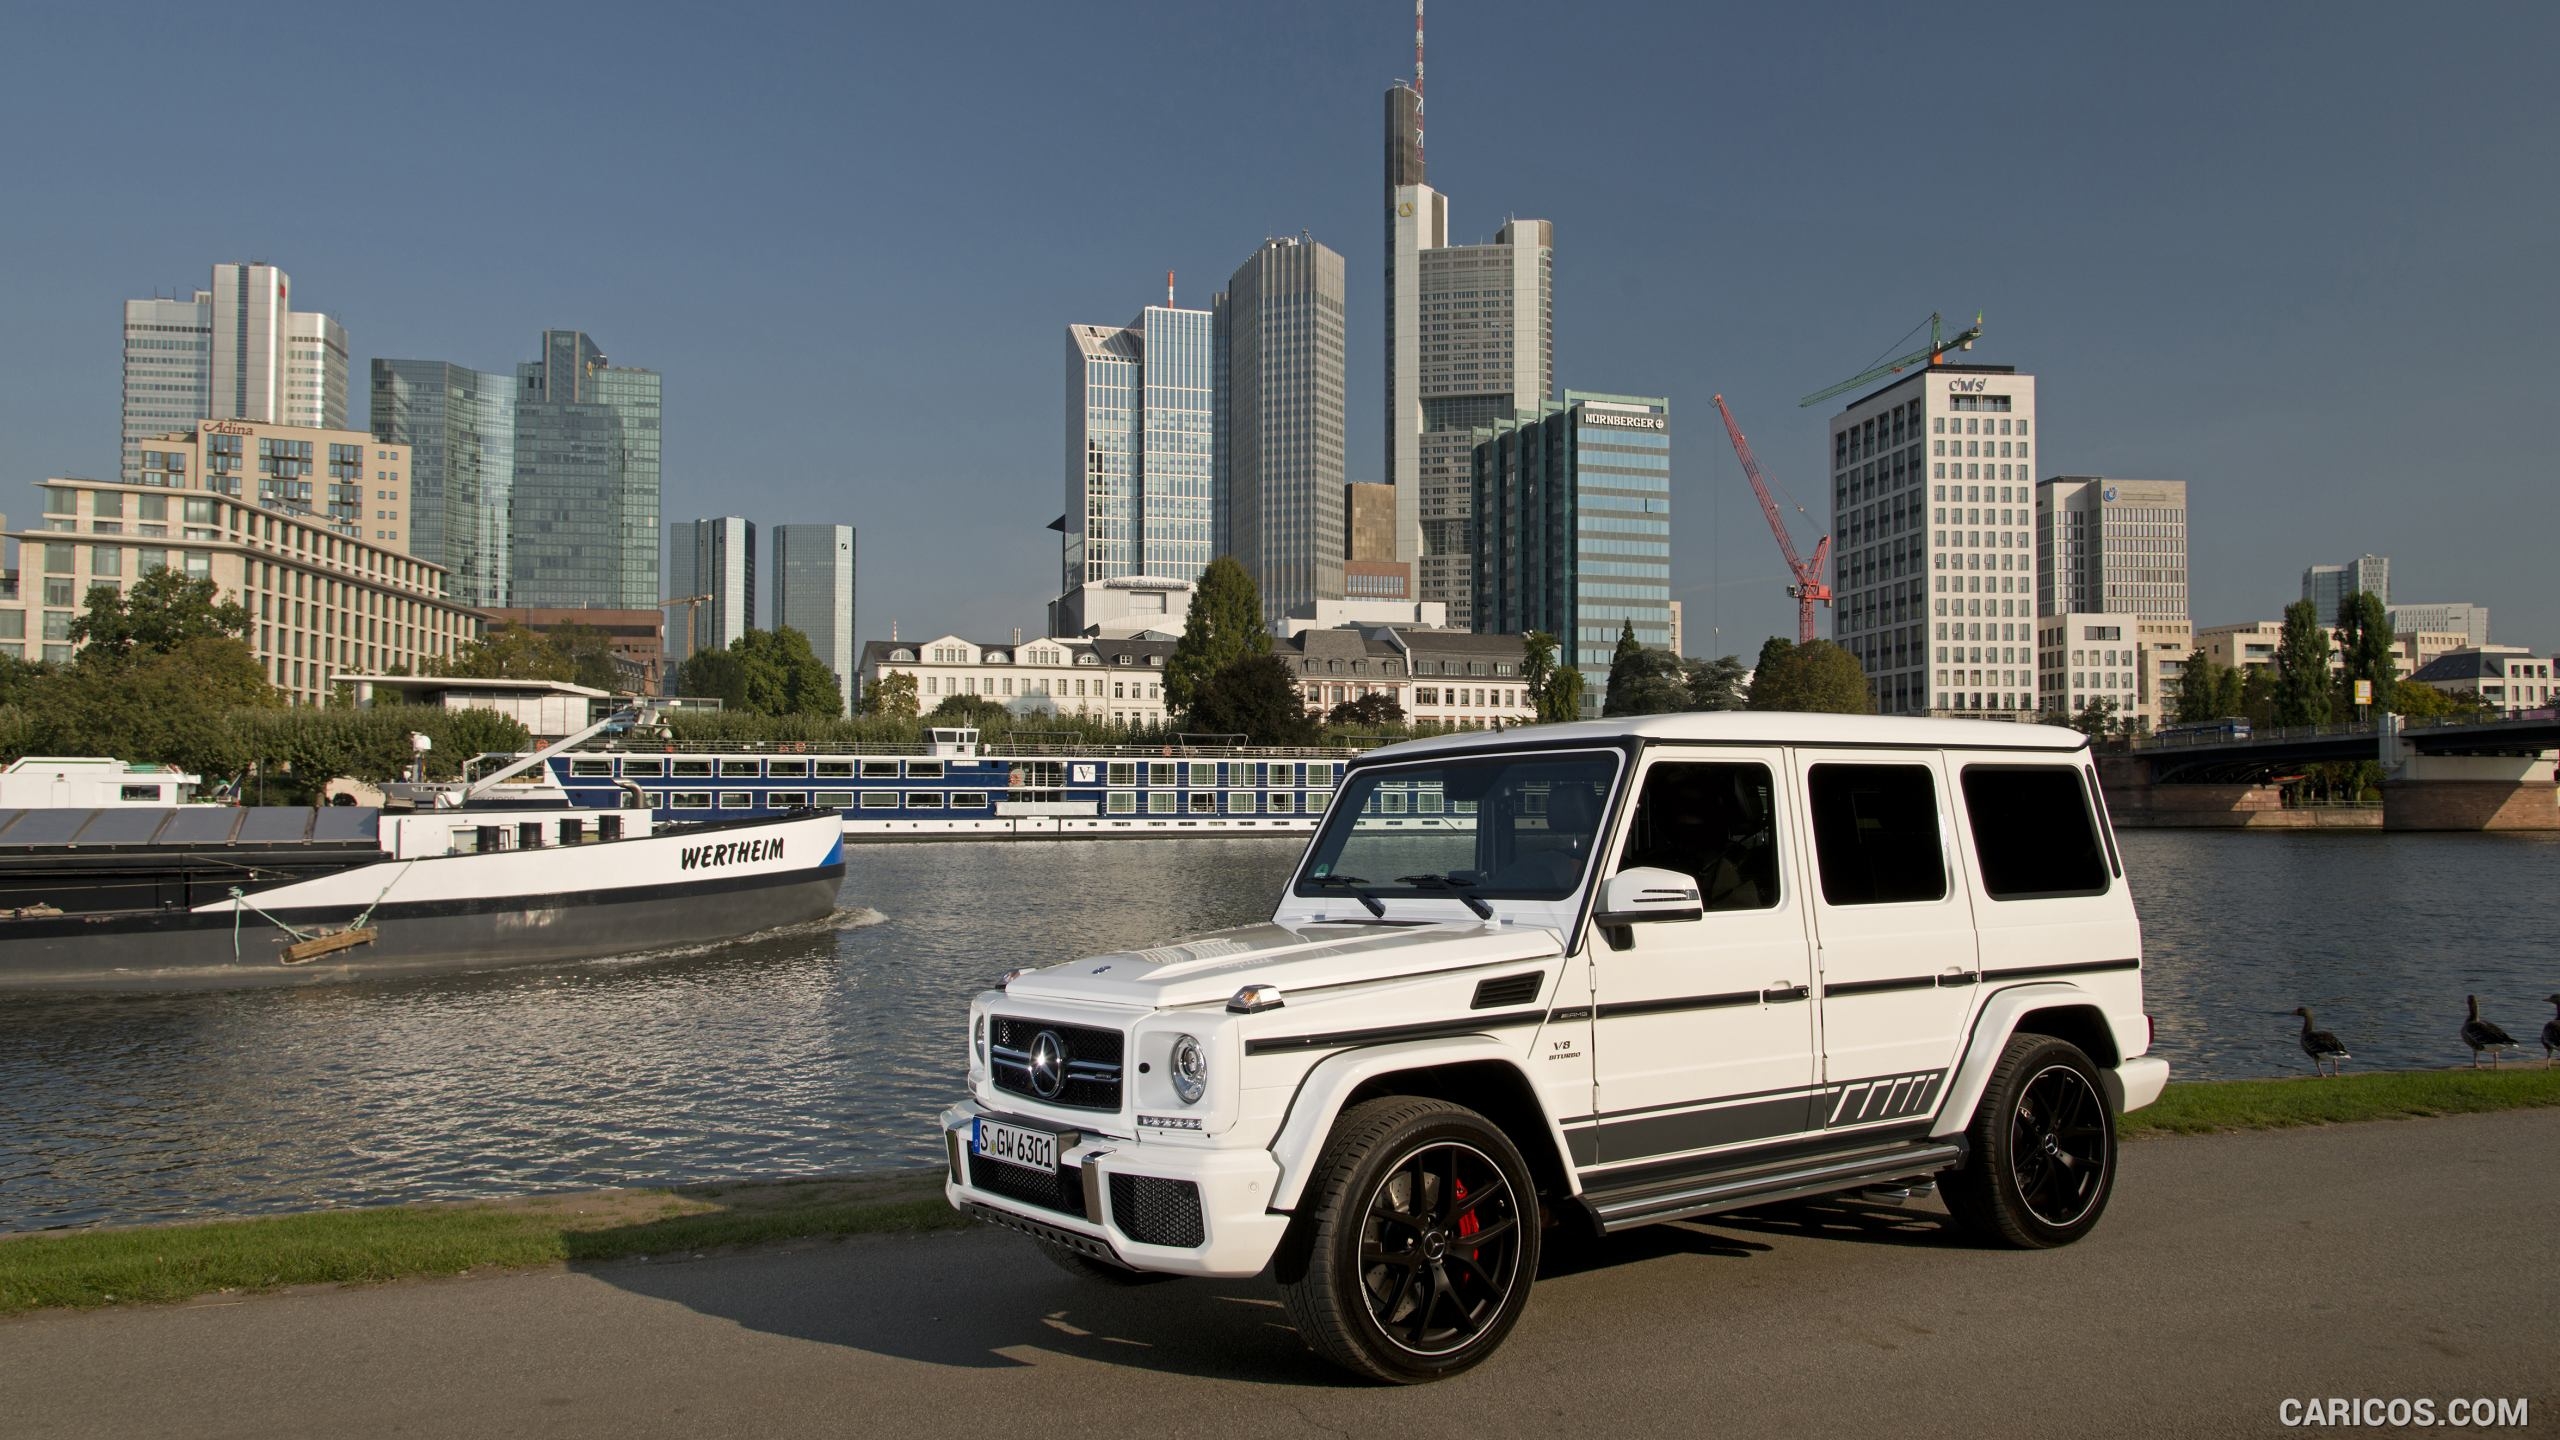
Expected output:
(1507, 990)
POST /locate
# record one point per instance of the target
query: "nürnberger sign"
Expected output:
(1625, 422)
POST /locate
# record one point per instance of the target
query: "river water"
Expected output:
(830, 1049)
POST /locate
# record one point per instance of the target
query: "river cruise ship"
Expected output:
(953, 788)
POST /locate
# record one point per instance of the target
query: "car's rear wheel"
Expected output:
(1413, 1255)
(2041, 1151)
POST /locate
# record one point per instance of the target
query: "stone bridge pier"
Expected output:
(2470, 792)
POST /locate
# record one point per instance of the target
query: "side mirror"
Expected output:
(1634, 897)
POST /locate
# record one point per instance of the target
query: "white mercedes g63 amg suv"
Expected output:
(1594, 975)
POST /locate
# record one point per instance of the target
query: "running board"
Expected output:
(1635, 1205)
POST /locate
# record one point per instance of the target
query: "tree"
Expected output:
(1253, 696)
(1816, 676)
(1716, 684)
(2367, 649)
(2250, 693)
(891, 697)
(1649, 682)
(19, 678)
(163, 612)
(2097, 719)
(2200, 689)
(1537, 667)
(1375, 708)
(2302, 667)
(2426, 702)
(1628, 654)
(1224, 625)
(764, 672)
(1562, 699)
(160, 668)
(975, 710)
(510, 652)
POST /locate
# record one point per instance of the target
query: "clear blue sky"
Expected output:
(2301, 256)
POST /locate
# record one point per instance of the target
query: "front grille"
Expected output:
(1154, 1211)
(1061, 1190)
(1093, 1062)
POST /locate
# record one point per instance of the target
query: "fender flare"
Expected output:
(1328, 1084)
(1993, 1024)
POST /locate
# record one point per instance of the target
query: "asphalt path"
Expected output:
(2410, 1259)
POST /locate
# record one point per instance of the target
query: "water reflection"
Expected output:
(830, 1049)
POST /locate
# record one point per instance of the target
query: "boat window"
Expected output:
(787, 769)
(924, 799)
(1124, 772)
(1204, 774)
(968, 799)
(1124, 802)
(1160, 772)
(689, 800)
(2032, 832)
(690, 769)
(1875, 832)
(737, 800)
(597, 769)
(1159, 802)
(1240, 802)
(740, 768)
(1320, 777)
(635, 767)
(1281, 803)
(835, 769)
(879, 799)
(879, 769)
(1240, 772)
(786, 799)
(1203, 802)
(834, 799)
(924, 769)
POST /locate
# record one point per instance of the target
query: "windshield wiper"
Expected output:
(1353, 883)
(1458, 888)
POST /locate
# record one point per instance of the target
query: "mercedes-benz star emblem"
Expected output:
(1048, 1064)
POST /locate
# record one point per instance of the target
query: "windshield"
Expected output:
(1497, 827)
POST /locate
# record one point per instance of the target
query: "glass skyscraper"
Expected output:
(1570, 527)
(812, 582)
(1138, 436)
(236, 351)
(460, 427)
(1277, 330)
(585, 508)
(716, 560)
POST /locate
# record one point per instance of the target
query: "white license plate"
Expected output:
(1030, 1149)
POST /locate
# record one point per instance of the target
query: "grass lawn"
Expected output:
(174, 1262)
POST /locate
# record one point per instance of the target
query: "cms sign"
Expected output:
(1966, 387)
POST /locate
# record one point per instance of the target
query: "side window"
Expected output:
(1875, 833)
(1716, 824)
(2032, 831)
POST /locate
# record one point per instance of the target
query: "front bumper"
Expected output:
(1082, 1209)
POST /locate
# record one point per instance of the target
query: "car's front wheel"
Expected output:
(2041, 1151)
(1413, 1254)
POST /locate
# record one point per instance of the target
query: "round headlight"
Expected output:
(978, 1038)
(1190, 1070)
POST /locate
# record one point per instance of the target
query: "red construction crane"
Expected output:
(1808, 587)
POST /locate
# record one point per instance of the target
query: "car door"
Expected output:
(1703, 1034)
(1894, 942)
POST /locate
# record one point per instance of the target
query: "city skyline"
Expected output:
(2198, 284)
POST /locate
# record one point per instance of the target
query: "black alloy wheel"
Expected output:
(2040, 1157)
(1416, 1242)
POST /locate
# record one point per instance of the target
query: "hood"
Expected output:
(1209, 968)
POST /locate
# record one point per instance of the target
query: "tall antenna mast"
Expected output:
(1417, 79)
(1168, 289)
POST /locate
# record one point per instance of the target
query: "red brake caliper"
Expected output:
(1468, 1224)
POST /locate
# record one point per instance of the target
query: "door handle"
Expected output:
(1782, 992)
(1956, 977)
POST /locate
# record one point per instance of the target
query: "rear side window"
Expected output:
(2033, 833)
(1875, 833)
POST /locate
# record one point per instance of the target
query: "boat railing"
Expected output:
(987, 751)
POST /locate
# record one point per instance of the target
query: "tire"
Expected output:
(1375, 1270)
(1099, 1272)
(2041, 1149)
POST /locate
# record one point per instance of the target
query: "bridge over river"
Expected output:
(2492, 774)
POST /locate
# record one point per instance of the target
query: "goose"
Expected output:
(2551, 1031)
(2481, 1035)
(2324, 1048)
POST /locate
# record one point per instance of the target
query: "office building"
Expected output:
(1470, 342)
(460, 427)
(812, 583)
(636, 637)
(2114, 547)
(1570, 527)
(711, 575)
(1932, 511)
(343, 481)
(2085, 658)
(1370, 569)
(2326, 585)
(322, 602)
(1125, 608)
(2506, 678)
(2457, 617)
(584, 509)
(235, 351)
(1138, 440)
(1277, 336)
